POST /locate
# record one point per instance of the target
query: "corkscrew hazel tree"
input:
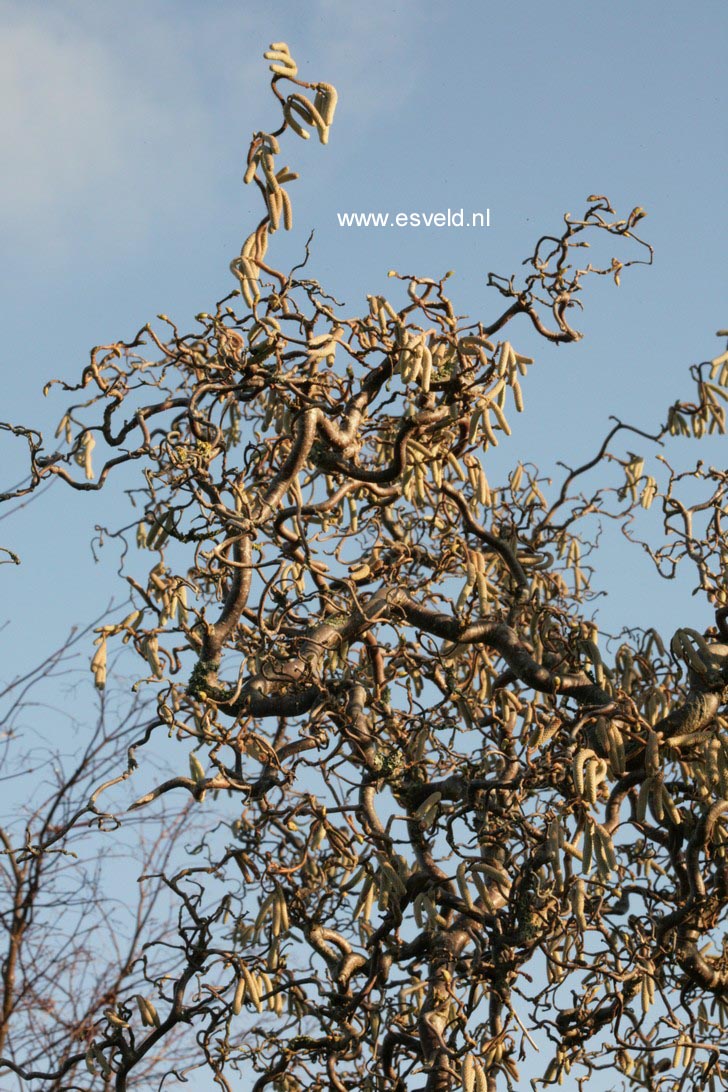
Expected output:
(454, 833)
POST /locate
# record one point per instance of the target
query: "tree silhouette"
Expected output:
(71, 943)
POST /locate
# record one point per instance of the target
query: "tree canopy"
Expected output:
(448, 834)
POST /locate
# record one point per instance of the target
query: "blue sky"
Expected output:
(122, 197)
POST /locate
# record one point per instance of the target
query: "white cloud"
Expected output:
(114, 117)
(104, 117)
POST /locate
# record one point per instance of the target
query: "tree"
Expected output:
(450, 828)
(71, 945)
